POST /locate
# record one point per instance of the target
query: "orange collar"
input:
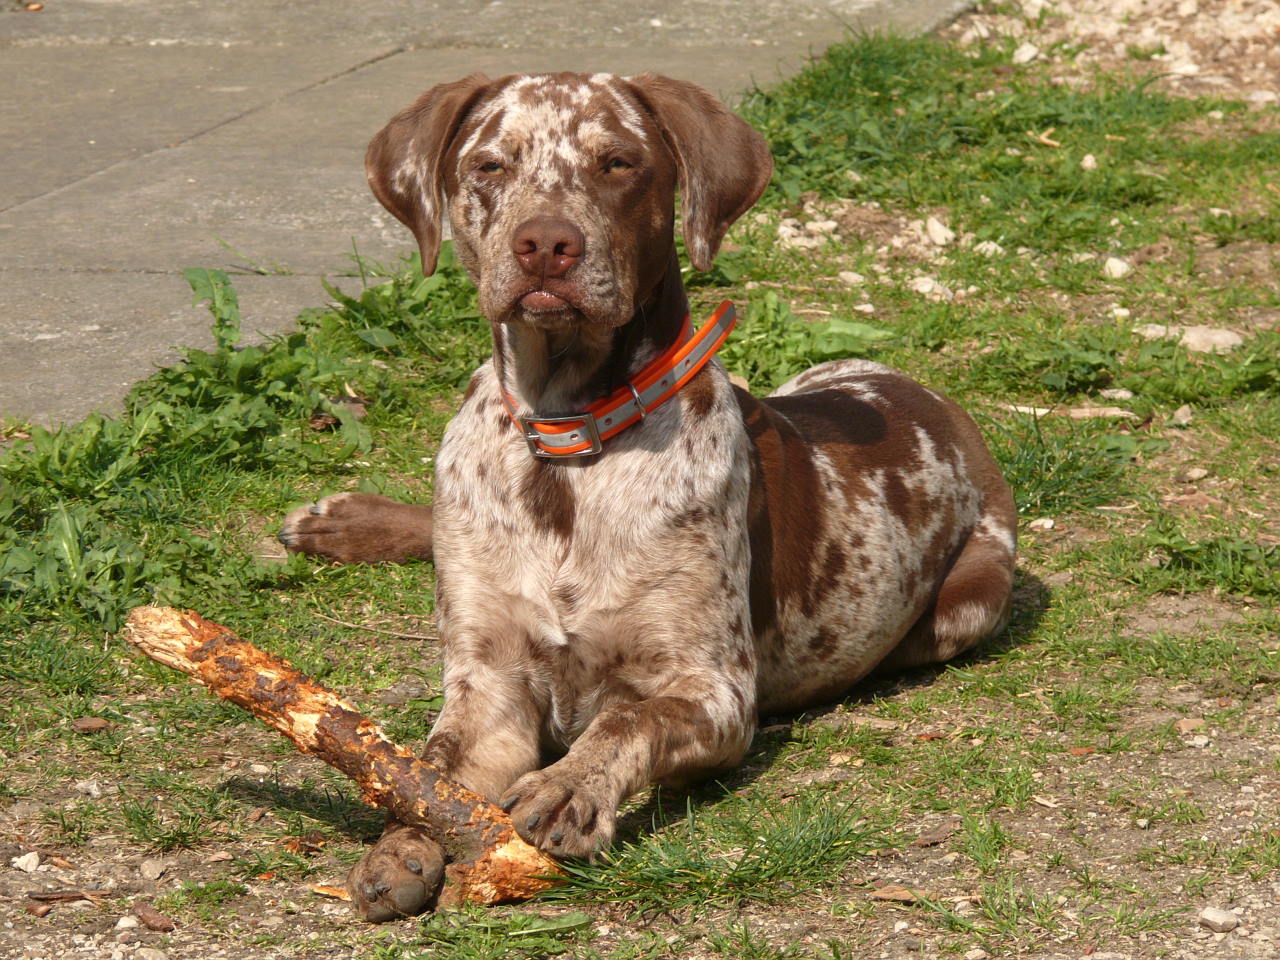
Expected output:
(583, 434)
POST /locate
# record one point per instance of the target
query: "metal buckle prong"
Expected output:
(532, 436)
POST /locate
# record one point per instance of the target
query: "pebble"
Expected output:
(1218, 920)
(1116, 393)
(27, 863)
(850, 278)
(1196, 337)
(977, 953)
(1042, 523)
(1192, 475)
(126, 923)
(931, 288)
(1025, 54)
(261, 769)
(1200, 740)
(152, 869)
(1088, 162)
(1183, 415)
(865, 308)
(1115, 268)
(938, 232)
(988, 248)
(1142, 823)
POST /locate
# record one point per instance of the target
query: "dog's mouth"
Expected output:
(543, 301)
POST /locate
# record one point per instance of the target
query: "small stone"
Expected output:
(988, 248)
(126, 923)
(1088, 162)
(849, 278)
(821, 228)
(655, 23)
(1182, 416)
(938, 232)
(931, 288)
(1116, 393)
(152, 869)
(1261, 97)
(1200, 339)
(900, 926)
(1025, 54)
(1142, 823)
(1188, 8)
(977, 953)
(95, 789)
(1115, 268)
(1121, 313)
(1042, 523)
(261, 769)
(1193, 475)
(1218, 920)
(865, 308)
(1187, 724)
(27, 863)
(1199, 741)
(150, 953)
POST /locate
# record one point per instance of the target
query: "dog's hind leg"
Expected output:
(973, 602)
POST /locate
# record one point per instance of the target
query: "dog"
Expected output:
(617, 611)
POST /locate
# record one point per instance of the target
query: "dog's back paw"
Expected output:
(359, 528)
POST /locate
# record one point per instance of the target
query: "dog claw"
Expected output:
(533, 821)
(557, 837)
(413, 866)
(509, 803)
(315, 510)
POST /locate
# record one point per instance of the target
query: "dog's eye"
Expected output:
(616, 165)
(491, 166)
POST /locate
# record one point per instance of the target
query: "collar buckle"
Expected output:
(589, 433)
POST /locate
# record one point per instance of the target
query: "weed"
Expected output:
(746, 848)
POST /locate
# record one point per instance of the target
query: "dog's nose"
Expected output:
(547, 246)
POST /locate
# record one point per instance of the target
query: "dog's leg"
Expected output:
(973, 602)
(359, 528)
(570, 808)
(486, 737)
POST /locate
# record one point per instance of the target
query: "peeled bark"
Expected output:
(488, 862)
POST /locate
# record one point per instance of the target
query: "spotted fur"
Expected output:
(627, 616)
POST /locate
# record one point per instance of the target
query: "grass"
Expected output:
(1149, 601)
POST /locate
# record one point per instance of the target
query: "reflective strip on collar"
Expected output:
(582, 434)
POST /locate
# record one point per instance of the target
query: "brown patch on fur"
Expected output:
(548, 498)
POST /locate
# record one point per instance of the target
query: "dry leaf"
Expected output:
(1082, 751)
(333, 893)
(39, 909)
(1187, 724)
(897, 893)
(91, 725)
(152, 918)
(1046, 802)
(936, 834)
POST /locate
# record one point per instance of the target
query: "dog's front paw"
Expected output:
(398, 877)
(359, 528)
(559, 813)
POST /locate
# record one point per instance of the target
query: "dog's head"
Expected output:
(560, 187)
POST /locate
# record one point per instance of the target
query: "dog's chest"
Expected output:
(581, 536)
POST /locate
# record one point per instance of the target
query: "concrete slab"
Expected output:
(247, 121)
(107, 104)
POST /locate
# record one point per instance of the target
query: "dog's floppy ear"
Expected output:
(723, 164)
(403, 162)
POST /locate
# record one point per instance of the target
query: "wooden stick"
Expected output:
(489, 863)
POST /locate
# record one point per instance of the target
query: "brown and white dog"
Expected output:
(634, 611)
